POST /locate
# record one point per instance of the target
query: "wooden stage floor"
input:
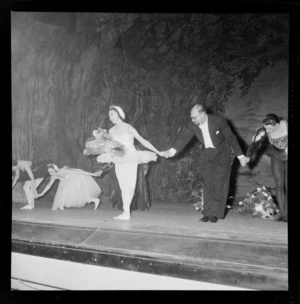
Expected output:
(167, 240)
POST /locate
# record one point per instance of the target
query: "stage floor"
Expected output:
(174, 218)
(168, 240)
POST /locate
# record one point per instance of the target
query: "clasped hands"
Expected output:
(244, 160)
(166, 153)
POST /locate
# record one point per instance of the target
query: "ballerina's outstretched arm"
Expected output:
(142, 140)
(49, 185)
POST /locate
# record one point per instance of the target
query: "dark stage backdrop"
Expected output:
(67, 68)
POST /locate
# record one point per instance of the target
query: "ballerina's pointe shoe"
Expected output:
(97, 202)
(27, 207)
(123, 216)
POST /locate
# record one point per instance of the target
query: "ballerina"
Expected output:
(118, 147)
(273, 139)
(32, 174)
(76, 187)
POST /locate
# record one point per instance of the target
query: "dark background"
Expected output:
(67, 68)
(293, 96)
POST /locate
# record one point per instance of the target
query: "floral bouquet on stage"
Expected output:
(102, 142)
(259, 203)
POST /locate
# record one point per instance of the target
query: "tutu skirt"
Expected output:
(132, 157)
(75, 191)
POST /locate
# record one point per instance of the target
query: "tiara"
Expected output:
(119, 110)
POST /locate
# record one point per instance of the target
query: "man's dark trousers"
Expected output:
(216, 169)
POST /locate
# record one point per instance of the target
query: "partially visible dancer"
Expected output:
(32, 175)
(272, 138)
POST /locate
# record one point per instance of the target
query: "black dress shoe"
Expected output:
(213, 219)
(204, 219)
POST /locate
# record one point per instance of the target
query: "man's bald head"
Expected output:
(198, 114)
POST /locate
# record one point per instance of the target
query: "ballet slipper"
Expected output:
(27, 207)
(97, 202)
(123, 216)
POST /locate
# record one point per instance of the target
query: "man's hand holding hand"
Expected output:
(243, 160)
(168, 153)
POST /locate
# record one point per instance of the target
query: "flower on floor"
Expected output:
(198, 205)
(199, 195)
(259, 203)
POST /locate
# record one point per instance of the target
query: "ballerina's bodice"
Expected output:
(127, 140)
(280, 143)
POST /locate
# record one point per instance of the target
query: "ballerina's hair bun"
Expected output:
(52, 166)
(119, 110)
(271, 119)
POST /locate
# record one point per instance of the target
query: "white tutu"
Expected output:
(132, 157)
(75, 191)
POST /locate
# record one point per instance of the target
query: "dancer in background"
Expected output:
(76, 187)
(32, 175)
(126, 158)
(272, 138)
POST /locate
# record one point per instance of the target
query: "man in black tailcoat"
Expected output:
(217, 139)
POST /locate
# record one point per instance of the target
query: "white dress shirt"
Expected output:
(206, 136)
(207, 140)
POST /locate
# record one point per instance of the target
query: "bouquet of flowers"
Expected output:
(198, 194)
(259, 203)
(102, 142)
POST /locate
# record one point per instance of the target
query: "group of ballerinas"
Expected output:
(77, 187)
